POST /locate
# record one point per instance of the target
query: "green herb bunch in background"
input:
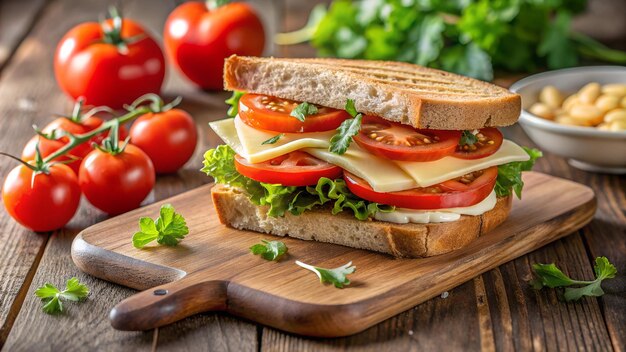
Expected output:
(470, 37)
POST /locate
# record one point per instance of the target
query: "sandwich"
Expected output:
(384, 156)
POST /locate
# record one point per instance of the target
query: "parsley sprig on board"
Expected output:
(169, 228)
(336, 276)
(269, 250)
(548, 275)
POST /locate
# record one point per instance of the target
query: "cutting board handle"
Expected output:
(168, 303)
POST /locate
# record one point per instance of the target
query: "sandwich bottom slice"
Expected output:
(235, 209)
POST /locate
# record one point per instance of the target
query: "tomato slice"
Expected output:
(489, 141)
(293, 169)
(462, 192)
(401, 142)
(272, 114)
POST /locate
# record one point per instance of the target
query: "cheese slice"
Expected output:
(432, 172)
(382, 174)
(257, 152)
(225, 129)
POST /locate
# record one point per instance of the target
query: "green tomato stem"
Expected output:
(76, 140)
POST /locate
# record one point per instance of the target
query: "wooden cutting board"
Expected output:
(212, 268)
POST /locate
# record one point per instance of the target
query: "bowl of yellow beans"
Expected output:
(578, 113)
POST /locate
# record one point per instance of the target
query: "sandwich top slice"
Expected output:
(385, 156)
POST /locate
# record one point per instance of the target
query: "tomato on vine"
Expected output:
(41, 196)
(56, 135)
(116, 178)
(109, 63)
(166, 134)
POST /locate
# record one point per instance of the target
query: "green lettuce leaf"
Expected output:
(510, 175)
(219, 164)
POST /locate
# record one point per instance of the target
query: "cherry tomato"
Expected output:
(47, 147)
(169, 138)
(402, 142)
(293, 169)
(116, 183)
(272, 114)
(198, 39)
(109, 65)
(489, 141)
(462, 192)
(48, 203)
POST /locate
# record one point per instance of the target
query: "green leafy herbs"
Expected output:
(548, 275)
(269, 250)
(51, 296)
(219, 163)
(168, 229)
(470, 37)
(467, 138)
(273, 139)
(336, 276)
(303, 110)
(510, 175)
(340, 142)
(233, 101)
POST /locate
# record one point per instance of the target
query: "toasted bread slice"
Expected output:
(400, 240)
(400, 92)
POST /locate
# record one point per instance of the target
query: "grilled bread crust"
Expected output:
(396, 91)
(400, 240)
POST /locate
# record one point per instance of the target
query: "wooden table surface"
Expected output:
(497, 310)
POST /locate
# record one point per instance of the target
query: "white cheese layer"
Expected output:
(382, 174)
(405, 216)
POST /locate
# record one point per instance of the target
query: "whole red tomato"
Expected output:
(198, 39)
(116, 183)
(111, 63)
(45, 203)
(169, 138)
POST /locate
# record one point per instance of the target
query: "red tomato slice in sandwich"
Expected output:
(401, 142)
(462, 192)
(273, 114)
(293, 169)
(489, 141)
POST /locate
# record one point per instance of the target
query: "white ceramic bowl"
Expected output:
(586, 148)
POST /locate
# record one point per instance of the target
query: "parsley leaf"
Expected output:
(556, 44)
(52, 296)
(510, 175)
(340, 142)
(470, 37)
(303, 110)
(233, 101)
(467, 138)
(269, 250)
(169, 228)
(273, 139)
(549, 275)
(336, 276)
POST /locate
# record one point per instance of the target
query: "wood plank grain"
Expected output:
(21, 249)
(438, 324)
(14, 28)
